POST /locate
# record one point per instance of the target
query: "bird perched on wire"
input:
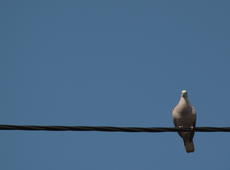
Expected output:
(184, 116)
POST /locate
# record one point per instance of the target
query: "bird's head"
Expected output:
(184, 93)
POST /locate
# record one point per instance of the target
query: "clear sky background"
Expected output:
(114, 63)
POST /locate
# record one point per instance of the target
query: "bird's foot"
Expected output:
(192, 128)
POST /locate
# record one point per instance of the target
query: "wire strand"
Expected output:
(112, 129)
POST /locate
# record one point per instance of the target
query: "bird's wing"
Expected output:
(194, 113)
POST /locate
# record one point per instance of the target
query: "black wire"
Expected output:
(111, 129)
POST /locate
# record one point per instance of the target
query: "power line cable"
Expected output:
(111, 128)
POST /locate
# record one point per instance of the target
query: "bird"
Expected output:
(184, 116)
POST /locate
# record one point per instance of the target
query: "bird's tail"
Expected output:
(189, 146)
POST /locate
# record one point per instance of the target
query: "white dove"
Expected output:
(184, 116)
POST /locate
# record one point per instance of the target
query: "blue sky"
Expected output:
(115, 63)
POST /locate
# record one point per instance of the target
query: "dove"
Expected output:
(184, 116)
